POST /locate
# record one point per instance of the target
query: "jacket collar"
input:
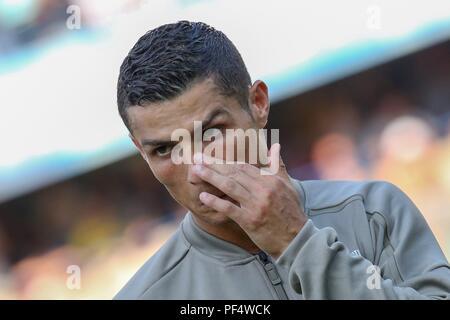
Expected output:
(214, 246)
(210, 244)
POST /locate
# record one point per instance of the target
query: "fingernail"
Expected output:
(198, 158)
(203, 196)
(197, 168)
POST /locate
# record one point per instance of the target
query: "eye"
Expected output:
(163, 150)
(212, 133)
(216, 128)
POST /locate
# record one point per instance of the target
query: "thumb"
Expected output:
(275, 161)
(276, 151)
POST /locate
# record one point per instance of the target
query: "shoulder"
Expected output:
(326, 193)
(377, 196)
(157, 267)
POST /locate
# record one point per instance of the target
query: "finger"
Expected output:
(249, 169)
(282, 167)
(226, 184)
(229, 168)
(274, 159)
(245, 174)
(215, 164)
(277, 155)
(220, 205)
(263, 160)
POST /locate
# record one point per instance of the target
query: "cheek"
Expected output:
(166, 172)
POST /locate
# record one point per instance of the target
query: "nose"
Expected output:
(191, 176)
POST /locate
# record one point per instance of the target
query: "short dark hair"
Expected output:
(166, 60)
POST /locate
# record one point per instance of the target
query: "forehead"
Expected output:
(158, 120)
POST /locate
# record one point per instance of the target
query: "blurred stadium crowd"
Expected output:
(391, 122)
(28, 23)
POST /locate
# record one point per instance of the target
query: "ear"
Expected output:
(138, 146)
(259, 102)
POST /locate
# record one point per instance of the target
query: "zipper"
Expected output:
(273, 275)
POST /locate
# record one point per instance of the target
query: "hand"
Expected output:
(269, 209)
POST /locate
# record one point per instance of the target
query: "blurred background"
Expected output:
(359, 90)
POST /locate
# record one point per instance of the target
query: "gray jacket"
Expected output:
(363, 240)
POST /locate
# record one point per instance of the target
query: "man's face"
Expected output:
(153, 125)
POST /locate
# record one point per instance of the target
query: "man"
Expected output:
(249, 235)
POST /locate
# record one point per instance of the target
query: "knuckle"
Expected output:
(207, 174)
(227, 206)
(234, 175)
(253, 223)
(228, 185)
(267, 194)
(264, 206)
(265, 191)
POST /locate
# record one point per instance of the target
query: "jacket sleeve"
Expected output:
(321, 267)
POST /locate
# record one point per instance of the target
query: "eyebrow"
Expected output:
(205, 123)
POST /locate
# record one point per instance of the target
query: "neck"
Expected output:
(229, 231)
